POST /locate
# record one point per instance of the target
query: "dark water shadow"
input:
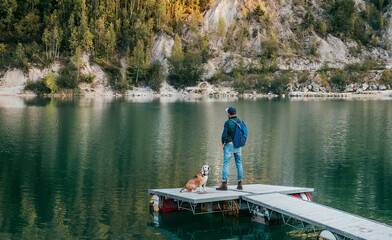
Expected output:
(185, 225)
(37, 101)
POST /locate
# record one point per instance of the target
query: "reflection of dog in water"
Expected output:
(197, 181)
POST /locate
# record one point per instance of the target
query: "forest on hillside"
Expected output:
(42, 31)
(39, 32)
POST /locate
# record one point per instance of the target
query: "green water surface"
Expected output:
(79, 168)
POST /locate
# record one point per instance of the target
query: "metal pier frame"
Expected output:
(194, 206)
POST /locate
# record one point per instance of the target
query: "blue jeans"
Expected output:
(228, 150)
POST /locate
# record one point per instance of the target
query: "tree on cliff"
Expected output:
(138, 62)
(185, 69)
(343, 13)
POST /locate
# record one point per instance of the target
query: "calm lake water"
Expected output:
(80, 168)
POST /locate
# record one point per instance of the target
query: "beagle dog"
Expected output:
(198, 181)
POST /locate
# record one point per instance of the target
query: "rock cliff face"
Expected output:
(12, 82)
(283, 18)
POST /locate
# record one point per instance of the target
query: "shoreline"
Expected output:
(202, 90)
(23, 100)
(386, 94)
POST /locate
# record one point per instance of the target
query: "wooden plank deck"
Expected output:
(212, 195)
(254, 189)
(342, 223)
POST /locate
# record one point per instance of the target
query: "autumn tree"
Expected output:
(162, 16)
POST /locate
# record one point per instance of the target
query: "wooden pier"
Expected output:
(341, 223)
(291, 205)
(213, 195)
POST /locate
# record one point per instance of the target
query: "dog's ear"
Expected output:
(202, 170)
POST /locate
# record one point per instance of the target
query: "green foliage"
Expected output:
(254, 33)
(21, 60)
(325, 67)
(38, 87)
(204, 48)
(258, 11)
(240, 36)
(68, 77)
(177, 52)
(353, 51)
(303, 78)
(88, 78)
(375, 41)
(193, 24)
(239, 83)
(185, 70)
(386, 77)
(50, 82)
(103, 28)
(33, 53)
(52, 39)
(374, 17)
(340, 79)
(155, 76)
(219, 77)
(313, 49)
(270, 48)
(138, 63)
(162, 16)
(221, 27)
(116, 80)
(294, 44)
(109, 42)
(77, 62)
(360, 33)
(263, 84)
(229, 44)
(28, 29)
(268, 66)
(321, 27)
(353, 67)
(279, 84)
(343, 14)
(3, 53)
(380, 4)
(308, 19)
(368, 64)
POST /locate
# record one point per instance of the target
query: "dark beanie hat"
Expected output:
(231, 110)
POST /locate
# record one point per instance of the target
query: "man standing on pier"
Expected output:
(229, 149)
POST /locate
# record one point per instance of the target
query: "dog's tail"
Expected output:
(182, 189)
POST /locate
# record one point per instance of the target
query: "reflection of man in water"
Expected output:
(229, 149)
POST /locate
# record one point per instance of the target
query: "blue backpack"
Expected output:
(240, 134)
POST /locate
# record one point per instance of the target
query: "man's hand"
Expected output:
(223, 146)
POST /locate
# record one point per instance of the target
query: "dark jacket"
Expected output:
(229, 130)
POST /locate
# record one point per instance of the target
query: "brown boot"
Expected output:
(239, 186)
(222, 187)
